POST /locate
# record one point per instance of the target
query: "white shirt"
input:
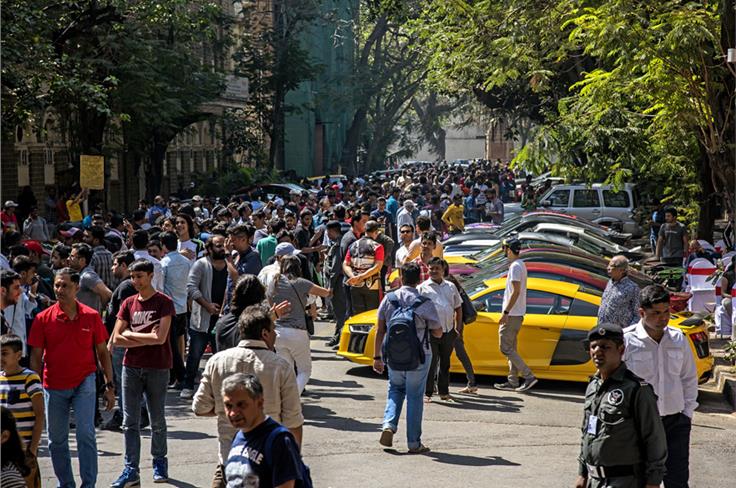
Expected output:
(401, 254)
(189, 244)
(158, 273)
(445, 298)
(668, 366)
(517, 272)
(403, 217)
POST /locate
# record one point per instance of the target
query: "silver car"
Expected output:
(599, 203)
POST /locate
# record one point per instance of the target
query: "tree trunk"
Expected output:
(708, 208)
(352, 140)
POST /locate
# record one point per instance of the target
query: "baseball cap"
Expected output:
(512, 243)
(606, 331)
(286, 249)
(10, 203)
(35, 246)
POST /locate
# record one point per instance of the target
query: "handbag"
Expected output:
(307, 318)
(469, 312)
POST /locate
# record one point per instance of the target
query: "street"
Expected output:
(492, 439)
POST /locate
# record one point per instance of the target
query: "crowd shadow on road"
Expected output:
(323, 417)
(459, 459)
(180, 484)
(186, 435)
(484, 403)
(334, 384)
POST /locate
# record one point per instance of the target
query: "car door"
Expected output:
(546, 316)
(586, 203)
(559, 200)
(617, 205)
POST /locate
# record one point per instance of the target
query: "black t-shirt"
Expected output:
(248, 463)
(219, 284)
(124, 290)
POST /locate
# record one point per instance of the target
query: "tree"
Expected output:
(618, 90)
(271, 55)
(390, 69)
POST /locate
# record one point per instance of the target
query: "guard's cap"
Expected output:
(606, 331)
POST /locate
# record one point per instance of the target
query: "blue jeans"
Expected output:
(409, 385)
(117, 372)
(58, 405)
(154, 383)
(197, 344)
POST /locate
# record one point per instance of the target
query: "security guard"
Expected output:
(623, 440)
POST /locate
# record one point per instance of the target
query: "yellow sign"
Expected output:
(92, 172)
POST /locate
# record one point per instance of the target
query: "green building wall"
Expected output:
(323, 106)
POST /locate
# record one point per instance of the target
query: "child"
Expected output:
(13, 457)
(22, 394)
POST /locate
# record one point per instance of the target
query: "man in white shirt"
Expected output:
(448, 303)
(514, 308)
(140, 248)
(661, 356)
(406, 236)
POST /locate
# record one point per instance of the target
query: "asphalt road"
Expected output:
(492, 439)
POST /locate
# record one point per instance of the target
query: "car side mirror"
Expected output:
(545, 203)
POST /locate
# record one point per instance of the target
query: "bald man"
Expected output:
(620, 300)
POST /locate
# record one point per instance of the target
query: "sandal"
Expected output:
(469, 390)
(427, 399)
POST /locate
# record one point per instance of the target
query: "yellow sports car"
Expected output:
(552, 338)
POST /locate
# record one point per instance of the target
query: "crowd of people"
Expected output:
(106, 310)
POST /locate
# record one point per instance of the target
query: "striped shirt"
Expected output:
(16, 392)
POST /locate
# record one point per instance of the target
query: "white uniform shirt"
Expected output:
(446, 299)
(517, 272)
(668, 366)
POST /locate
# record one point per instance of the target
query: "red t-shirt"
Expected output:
(68, 345)
(142, 316)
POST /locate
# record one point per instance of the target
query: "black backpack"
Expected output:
(402, 350)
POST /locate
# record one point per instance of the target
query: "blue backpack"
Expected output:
(402, 350)
(306, 481)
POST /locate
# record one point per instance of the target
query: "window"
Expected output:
(583, 308)
(559, 198)
(490, 302)
(543, 303)
(613, 199)
(586, 198)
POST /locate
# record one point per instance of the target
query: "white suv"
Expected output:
(598, 203)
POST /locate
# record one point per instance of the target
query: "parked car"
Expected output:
(599, 203)
(482, 247)
(559, 316)
(528, 220)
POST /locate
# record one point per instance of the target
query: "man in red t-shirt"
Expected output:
(142, 327)
(68, 338)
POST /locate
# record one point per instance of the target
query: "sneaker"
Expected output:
(469, 390)
(332, 342)
(160, 470)
(420, 449)
(505, 386)
(387, 438)
(447, 398)
(528, 383)
(186, 393)
(129, 478)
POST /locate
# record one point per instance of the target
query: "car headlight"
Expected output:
(360, 328)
